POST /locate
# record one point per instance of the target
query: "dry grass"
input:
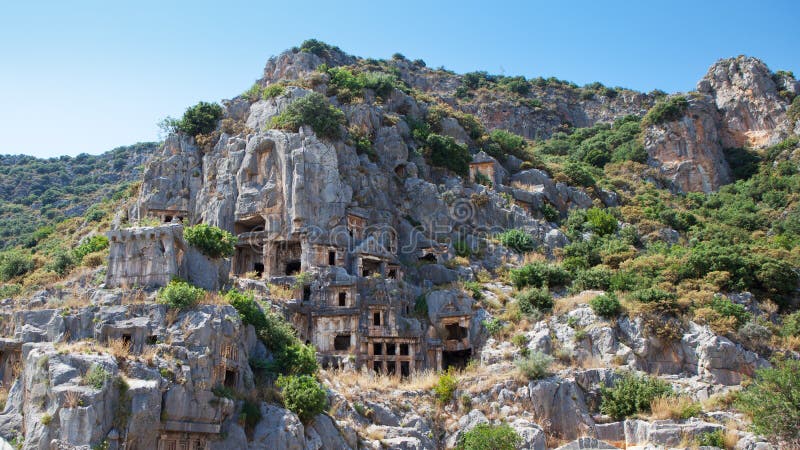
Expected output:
(3, 398)
(135, 297)
(213, 298)
(368, 380)
(567, 304)
(171, 316)
(279, 292)
(119, 348)
(72, 399)
(149, 353)
(674, 408)
(84, 346)
(529, 258)
(730, 438)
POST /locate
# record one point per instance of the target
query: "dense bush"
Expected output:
(180, 294)
(668, 110)
(303, 395)
(653, 295)
(210, 240)
(96, 376)
(605, 305)
(93, 244)
(444, 151)
(598, 277)
(489, 437)
(601, 221)
(534, 299)
(510, 144)
(317, 47)
(518, 240)
(535, 365)
(315, 111)
(631, 394)
(579, 174)
(539, 274)
(711, 439)
(61, 261)
(14, 263)
(772, 402)
(445, 388)
(247, 307)
(200, 119)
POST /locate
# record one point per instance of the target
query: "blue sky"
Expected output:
(87, 76)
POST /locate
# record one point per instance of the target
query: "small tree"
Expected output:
(14, 263)
(445, 388)
(490, 437)
(772, 402)
(180, 294)
(303, 395)
(535, 365)
(444, 151)
(605, 305)
(315, 111)
(518, 240)
(200, 119)
(631, 394)
(210, 240)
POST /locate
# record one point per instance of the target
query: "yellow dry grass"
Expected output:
(675, 408)
(119, 348)
(567, 304)
(72, 399)
(3, 398)
(367, 380)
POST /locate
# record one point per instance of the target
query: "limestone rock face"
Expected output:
(753, 113)
(688, 152)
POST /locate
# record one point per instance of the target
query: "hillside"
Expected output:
(360, 253)
(35, 192)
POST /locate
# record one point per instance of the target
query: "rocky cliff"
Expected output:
(410, 240)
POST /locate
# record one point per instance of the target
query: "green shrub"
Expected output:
(273, 90)
(631, 394)
(493, 326)
(518, 240)
(601, 221)
(605, 305)
(444, 151)
(210, 240)
(771, 401)
(277, 333)
(303, 395)
(549, 212)
(180, 294)
(579, 174)
(534, 299)
(489, 437)
(200, 119)
(221, 391)
(295, 359)
(475, 289)
(96, 376)
(535, 365)
(653, 295)
(598, 277)
(462, 248)
(445, 388)
(539, 274)
(791, 324)
(317, 47)
(14, 263)
(250, 415)
(727, 308)
(510, 144)
(93, 244)
(315, 111)
(712, 439)
(62, 262)
(247, 307)
(668, 110)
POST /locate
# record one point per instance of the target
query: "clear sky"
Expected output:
(86, 76)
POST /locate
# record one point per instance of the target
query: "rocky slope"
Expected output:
(95, 360)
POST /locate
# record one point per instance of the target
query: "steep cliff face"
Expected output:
(688, 152)
(746, 92)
